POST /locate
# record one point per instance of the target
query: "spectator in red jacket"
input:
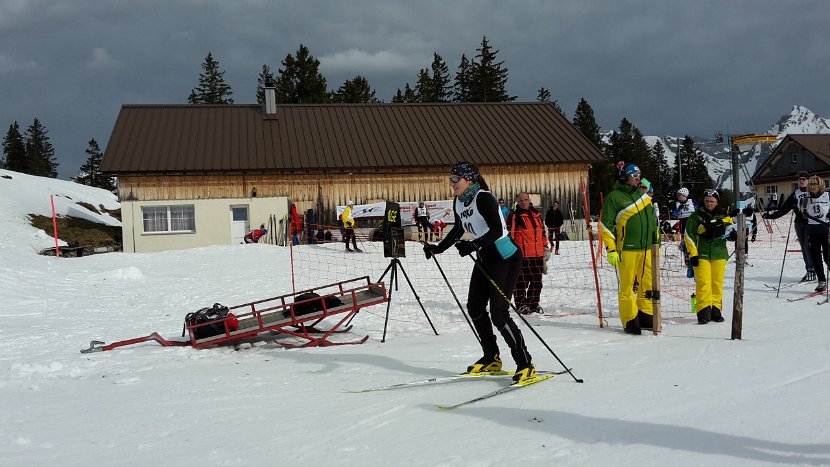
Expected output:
(254, 235)
(527, 230)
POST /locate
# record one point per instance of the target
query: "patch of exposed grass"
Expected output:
(80, 232)
(89, 206)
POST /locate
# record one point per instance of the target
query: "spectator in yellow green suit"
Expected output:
(706, 233)
(629, 228)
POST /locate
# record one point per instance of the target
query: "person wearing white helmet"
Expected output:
(682, 209)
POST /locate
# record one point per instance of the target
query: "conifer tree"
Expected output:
(14, 150)
(432, 84)
(355, 91)
(461, 87)
(441, 87)
(662, 186)
(621, 147)
(695, 173)
(692, 163)
(408, 96)
(603, 174)
(265, 76)
(423, 87)
(39, 151)
(299, 81)
(543, 95)
(212, 88)
(90, 172)
(641, 155)
(488, 79)
(586, 123)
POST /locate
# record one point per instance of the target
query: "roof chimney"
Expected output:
(270, 98)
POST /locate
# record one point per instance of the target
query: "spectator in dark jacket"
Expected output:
(554, 222)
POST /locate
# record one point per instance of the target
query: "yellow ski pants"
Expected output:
(709, 283)
(634, 264)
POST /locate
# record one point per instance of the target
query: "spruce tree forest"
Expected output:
(481, 77)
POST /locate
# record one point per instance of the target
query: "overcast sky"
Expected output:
(670, 66)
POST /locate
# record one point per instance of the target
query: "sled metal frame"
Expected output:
(277, 315)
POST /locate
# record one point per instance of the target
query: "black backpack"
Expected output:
(312, 306)
(215, 313)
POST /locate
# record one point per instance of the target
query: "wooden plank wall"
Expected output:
(324, 192)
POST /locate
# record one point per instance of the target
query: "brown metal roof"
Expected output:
(770, 170)
(817, 144)
(242, 138)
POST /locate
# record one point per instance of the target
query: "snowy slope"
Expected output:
(689, 397)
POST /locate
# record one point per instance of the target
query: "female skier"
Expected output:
(477, 216)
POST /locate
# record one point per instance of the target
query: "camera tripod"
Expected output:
(394, 265)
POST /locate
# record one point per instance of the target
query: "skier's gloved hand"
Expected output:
(613, 258)
(748, 211)
(693, 261)
(465, 247)
(730, 233)
(430, 250)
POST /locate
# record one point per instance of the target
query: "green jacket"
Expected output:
(703, 232)
(628, 221)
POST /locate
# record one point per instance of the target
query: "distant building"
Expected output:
(775, 178)
(221, 169)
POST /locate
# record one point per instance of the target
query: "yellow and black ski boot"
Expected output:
(524, 373)
(485, 364)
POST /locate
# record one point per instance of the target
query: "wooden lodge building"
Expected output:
(197, 175)
(776, 178)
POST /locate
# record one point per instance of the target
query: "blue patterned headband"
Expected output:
(466, 170)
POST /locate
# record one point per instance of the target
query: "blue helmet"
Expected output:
(628, 170)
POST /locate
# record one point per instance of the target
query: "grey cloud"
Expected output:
(669, 66)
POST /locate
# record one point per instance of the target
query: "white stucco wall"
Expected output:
(213, 222)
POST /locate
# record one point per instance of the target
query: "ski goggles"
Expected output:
(455, 178)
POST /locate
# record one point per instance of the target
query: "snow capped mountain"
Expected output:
(800, 120)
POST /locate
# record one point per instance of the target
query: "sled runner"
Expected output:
(296, 315)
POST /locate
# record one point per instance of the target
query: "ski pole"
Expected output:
(507, 299)
(786, 245)
(455, 297)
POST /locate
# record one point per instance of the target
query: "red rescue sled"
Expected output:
(279, 315)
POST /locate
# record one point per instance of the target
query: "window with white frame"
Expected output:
(166, 219)
(771, 189)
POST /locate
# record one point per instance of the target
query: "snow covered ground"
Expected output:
(690, 396)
